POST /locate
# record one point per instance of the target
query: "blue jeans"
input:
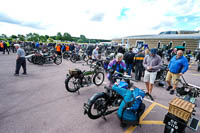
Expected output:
(129, 68)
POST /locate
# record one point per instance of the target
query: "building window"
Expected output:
(139, 44)
(184, 44)
(158, 45)
(170, 44)
(199, 43)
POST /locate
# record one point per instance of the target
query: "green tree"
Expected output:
(83, 38)
(42, 38)
(50, 40)
(14, 37)
(21, 37)
(67, 37)
(59, 36)
(46, 36)
(93, 41)
(80, 41)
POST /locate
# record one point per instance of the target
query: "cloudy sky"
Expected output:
(103, 19)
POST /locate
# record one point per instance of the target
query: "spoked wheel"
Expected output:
(58, 60)
(97, 107)
(40, 60)
(73, 58)
(72, 84)
(66, 56)
(89, 61)
(98, 78)
(30, 60)
(85, 58)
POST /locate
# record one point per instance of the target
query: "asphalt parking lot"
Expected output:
(39, 103)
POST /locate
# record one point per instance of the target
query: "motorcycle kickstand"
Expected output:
(104, 117)
(78, 92)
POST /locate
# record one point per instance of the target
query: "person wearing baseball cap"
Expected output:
(151, 64)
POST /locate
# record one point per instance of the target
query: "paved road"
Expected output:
(39, 103)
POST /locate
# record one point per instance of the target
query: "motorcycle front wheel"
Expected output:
(58, 60)
(40, 60)
(73, 59)
(30, 60)
(97, 107)
(66, 56)
(72, 84)
(98, 78)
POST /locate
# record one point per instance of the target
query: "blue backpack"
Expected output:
(130, 108)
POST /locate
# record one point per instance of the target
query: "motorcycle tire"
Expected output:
(30, 60)
(58, 60)
(85, 58)
(89, 61)
(97, 80)
(99, 105)
(76, 85)
(34, 58)
(40, 61)
(66, 56)
(73, 59)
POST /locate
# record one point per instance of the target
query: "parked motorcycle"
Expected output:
(44, 58)
(178, 123)
(105, 103)
(77, 79)
(67, 55)
(161, 75)
(78, 57)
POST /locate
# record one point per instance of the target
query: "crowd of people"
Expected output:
(143, 62)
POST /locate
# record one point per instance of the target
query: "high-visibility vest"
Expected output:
(67, 48)
(58, 48)
(8, 44)
(1, 45)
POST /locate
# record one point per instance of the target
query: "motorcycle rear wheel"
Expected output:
(97, 107)
(72, 84)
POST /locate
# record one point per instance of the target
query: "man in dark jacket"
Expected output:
(128, 57)
(138, 62)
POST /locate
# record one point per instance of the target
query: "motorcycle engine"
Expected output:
(87, 80)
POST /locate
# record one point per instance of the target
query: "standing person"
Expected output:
(8, 45)
(20, 61)
(5, 48)
(58, 49)
(128, 58)
(1, 45)
(67, 48)
(151, 64)
(178, 65)
(138, 62)
(95, 54)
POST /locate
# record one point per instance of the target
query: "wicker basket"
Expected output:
(181, 108)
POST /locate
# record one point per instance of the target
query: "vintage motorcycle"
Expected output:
(175, 124)
(161, 75)
(44, 58)
(77, 79)
(78, 57)
(67, 55)
(105, 103)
